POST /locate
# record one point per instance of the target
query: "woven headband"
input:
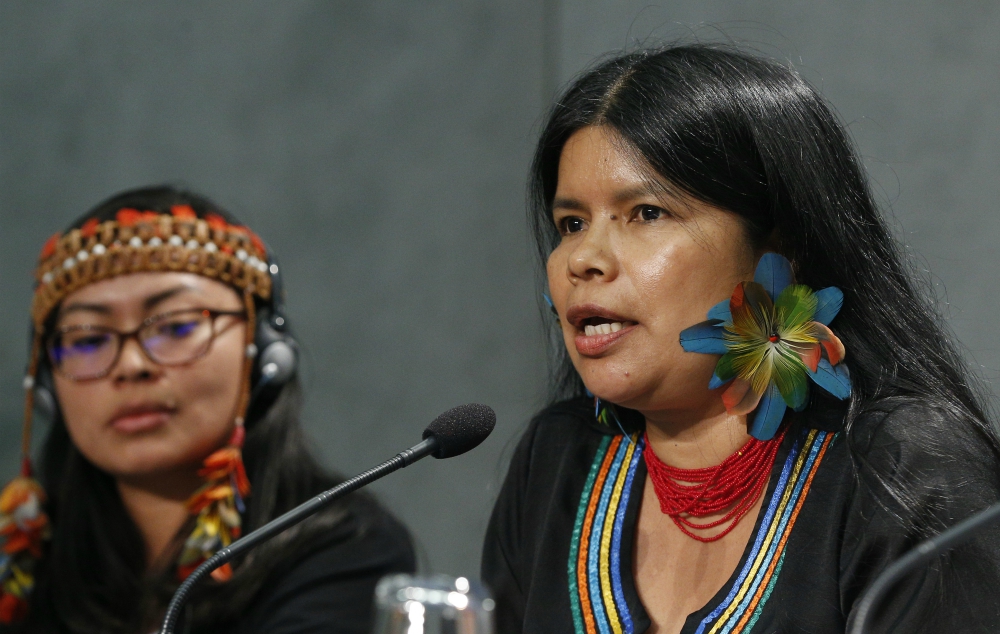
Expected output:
(139, 241)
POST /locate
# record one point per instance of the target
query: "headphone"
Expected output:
(275, 352)
(277, 356)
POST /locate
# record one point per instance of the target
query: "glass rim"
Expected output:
(120, 337)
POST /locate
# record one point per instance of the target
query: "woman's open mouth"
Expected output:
(600, 333)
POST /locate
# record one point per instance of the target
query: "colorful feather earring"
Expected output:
(552, 307)
(23, 528)
(219, 503)
(605, 413)
(23, 523)
(773, 336)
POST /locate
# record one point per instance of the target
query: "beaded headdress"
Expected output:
(134, 241)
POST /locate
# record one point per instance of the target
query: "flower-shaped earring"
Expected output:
(773, 336)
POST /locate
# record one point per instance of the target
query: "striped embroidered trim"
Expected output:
(595, 585)
(597, 600)
(740, 610)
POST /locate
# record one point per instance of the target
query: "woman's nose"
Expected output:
(133, 363)
(593, 257)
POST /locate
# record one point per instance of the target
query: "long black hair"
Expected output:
(94, 578)
(748, 135)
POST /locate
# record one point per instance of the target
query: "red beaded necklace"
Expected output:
(736, 484)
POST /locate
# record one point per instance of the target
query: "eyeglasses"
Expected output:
(83, 352)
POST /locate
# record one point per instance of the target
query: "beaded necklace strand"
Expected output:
(736, 484)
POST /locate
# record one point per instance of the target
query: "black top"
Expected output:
(324, 584)
(330, 588)
(559, 547)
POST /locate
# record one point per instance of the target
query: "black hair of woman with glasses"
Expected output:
(780, 413)
(155, 318)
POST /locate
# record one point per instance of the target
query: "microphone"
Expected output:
(923, 553)
(452, 433)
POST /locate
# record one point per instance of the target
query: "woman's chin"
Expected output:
(614, 391)
(142, 462)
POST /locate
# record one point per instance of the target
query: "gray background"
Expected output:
(381, 149)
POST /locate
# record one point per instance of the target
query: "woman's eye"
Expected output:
(177, 329)
(88, 344)
(571, 224)
(647, 213)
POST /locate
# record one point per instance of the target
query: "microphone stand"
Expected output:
(294, 516)
(923, 553)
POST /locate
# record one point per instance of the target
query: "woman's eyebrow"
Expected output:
(104, 309)
(639, 191)
(619, 197)
(147, 304)
(568, 203)
(162, 296)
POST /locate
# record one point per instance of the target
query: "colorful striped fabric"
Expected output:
(595, 582)
(595, 587)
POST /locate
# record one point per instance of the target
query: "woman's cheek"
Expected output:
(210, 393)
(86, 414)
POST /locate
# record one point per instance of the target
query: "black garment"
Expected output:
(330, 588)
(323, 581)
(843, 535)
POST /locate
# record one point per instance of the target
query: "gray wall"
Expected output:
(381, 149)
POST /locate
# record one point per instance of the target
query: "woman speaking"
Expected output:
(755, 411)
(162, 352)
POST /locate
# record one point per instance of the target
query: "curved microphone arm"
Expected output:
(924, 552)
(296, 515)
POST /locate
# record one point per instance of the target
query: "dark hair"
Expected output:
(93, 576)
(749, 136)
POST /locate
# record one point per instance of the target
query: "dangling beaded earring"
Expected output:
(23, 523)
(219, 503)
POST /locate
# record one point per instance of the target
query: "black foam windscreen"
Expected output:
(461, 428)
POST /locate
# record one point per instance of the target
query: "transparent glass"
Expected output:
(84, 351)
(407, 604)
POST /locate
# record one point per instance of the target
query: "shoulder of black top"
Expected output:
(577, 412)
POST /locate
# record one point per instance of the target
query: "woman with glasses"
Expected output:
(165, 361)
(755, 411)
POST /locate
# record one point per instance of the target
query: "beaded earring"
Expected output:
(219, 503)
(23, 528)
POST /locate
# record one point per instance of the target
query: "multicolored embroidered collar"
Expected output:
(597, 596)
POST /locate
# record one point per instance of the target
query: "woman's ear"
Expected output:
(771, 243)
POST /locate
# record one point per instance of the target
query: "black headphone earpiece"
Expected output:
(45, 392)
(277, 351)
